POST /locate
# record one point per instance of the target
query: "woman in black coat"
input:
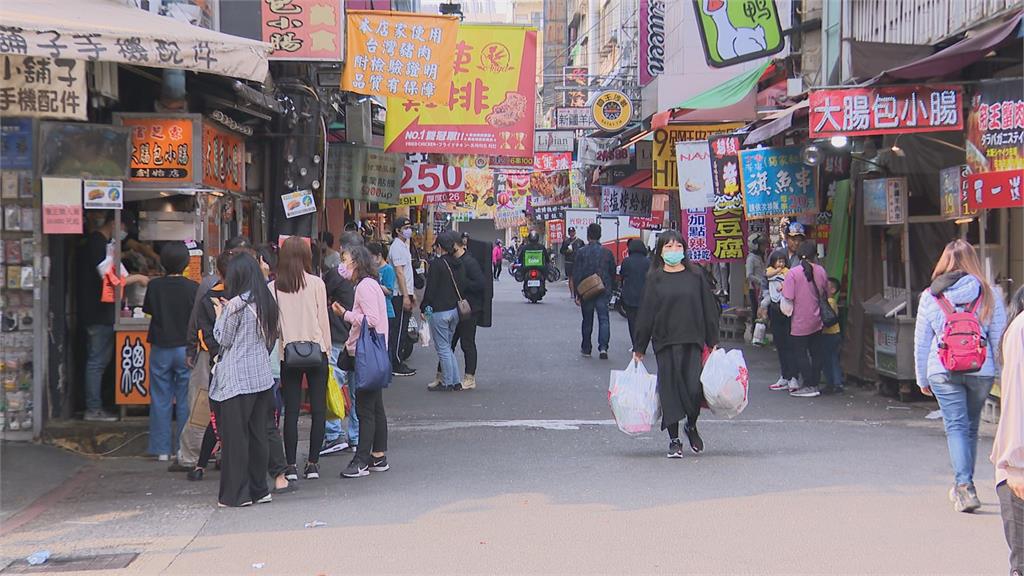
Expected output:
(634, 271)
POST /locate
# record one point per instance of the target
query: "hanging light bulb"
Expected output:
(289, 184)
(289, 158)
(315, 184)
(316, 159)
(303, 171)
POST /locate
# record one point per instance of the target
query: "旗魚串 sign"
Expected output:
(612, 110)
(161, 149)
(696, 184)
(488, 102)
(885, 110)
(298, 203)
(574, 118)
(431, 184)
(777, 183)
(995, 145)
(223, 158)
(664, 173)
(400, 55)
(103, 195)
(619, 201)
(39, 87)
(302, 29)
(738, 31)
(602, 152)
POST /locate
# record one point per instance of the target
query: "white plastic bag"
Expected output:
(760, 337)
(425, 334)
(725, 382)
(633, 398)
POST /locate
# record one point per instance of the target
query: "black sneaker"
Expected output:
(312, 471)
(355, 469)
(380, 464)
(402, 370)
(675, 449)
(455, 388)
(291, 473)
(696, 443)
(603, 355)
(332, 446)
(195, 475)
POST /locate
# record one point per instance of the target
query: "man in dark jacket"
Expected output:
(633, 272)
(343, 292)
(570, 247)
(595, 259)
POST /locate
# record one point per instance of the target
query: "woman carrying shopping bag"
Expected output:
(305, 347)
(369, 311)
(241, 391)
(679, 315)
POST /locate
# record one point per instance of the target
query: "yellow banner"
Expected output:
(396, 54)
(489, 104)
(664, 173)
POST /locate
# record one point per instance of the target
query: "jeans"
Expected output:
(604, 331)
(961, 398)
(809, 357)
(442, 330)
(168, 384)
(291, 390)
(831, 343)
(497, 270)
(332, 430)
(99, 352)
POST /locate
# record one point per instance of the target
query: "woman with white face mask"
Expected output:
(679, 315)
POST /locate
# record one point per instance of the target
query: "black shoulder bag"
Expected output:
(300, 354)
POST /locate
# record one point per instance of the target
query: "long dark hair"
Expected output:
(808, 253)
(1016, 308)
(245, 280)
(664, 238)
(363, 265)
(293, 263)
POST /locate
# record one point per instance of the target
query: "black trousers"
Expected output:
(276, 464)
(291, 390)
(397, 329)
(373, 424)
(780, 325)
(242, 424)
(809, 356)
(679, 387)
(497, 270)
(1012, 510)
(465, 334)
(631, 321)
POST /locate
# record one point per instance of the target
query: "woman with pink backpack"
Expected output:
(960, 321)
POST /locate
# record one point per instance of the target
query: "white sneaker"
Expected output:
(806, 392)
(163, 458)
(794, 384)
(782, 384)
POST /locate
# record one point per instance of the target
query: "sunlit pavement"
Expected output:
(528, 474)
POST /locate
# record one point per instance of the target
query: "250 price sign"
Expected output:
(432, 184)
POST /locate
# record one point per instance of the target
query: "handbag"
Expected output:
(465, 310)
(300, 354)
(372, 363)
(590, 287)
(829, 318)
(335, 401)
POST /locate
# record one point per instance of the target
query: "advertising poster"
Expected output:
(298, 203)
(400, 55)
(712, 239)
(619, 201)
(480, 200)
(664, 173)
(555, 231)
(161, 149)
(885, 110)
(602, 152)
(431, 184)
(551, 161)
(62, 206)
(777, 183)
(735, 32)
(995, 145)
(362, 173)
(696, 182)
(727, 230)
(16, 143)
(513, 199)
(548, 188)
(223, 158)
(303, 29)
(37, 87)
(488, 102)
(103, 194)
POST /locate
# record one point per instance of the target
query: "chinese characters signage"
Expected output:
(619, 201)
(952, 192)
(223, 158)
(161, 149)
(303, 29)
(777, 183)
(727, 226)
(664, 174)
(42, 87)
(362, 173)
(696, 185)
(574, 119)
(995, 145)
(62, 205)
(551, 161)
(555, 231)
(602, 152)
(487, 105)
(547, 213)
(712, 240)
(131, 367)
(405, 56)
(738, 30)
(885, 201)
(885, 110)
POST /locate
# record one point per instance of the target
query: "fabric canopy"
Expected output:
(110, 31)
(780, 122)
(956, 57)
(726, 93)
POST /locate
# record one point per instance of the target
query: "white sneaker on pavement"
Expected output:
(806, 392)
(794, 384)
(782, 384)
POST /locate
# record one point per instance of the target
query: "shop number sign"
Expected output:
(432, 184)
(131, 361)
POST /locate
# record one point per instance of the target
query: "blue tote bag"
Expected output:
(373, 366)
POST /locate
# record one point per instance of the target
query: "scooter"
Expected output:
(534, 277)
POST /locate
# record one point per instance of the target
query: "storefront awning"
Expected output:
(724, 95)
(958, 56)
(780, 122)
(110, 31)
(638, 179)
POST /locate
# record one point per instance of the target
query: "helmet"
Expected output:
(534, 236)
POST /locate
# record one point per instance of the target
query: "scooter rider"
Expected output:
(533, 243)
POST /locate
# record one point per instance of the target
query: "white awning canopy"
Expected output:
(110, 31)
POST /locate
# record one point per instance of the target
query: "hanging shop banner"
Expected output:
(645, 222)
(728, 194)
(16, 140)
(489, 106)
(549, 188)
(39, 87)
(776, 183)
(103, 195)
(162, 149)
(431, 184)
(578, 189)
(612, 110)
(575, 77)
(995, 145)
(885, 201)
(298, 203)
(223, 158)
(512, 202)
(131, 368)
(303, 29)
(715, 235)
(602, 152)
(696, 182)
(885, 110)
(362, 173)
(400, 55)
(553, 141)
(664, 173)
(513, 214)
(576, 118)
(555, 230)
(547, 213)
(62, 205)
(551, 161)
(735, 32)
(480, 200)
(652, 40)
(619, 201)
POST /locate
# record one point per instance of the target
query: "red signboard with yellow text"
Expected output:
(489, 107)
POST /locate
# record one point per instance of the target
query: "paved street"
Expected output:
(528, 474)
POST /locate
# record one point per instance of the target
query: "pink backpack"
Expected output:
(962, 348)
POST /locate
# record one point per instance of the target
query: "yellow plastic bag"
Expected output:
(335, 400)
